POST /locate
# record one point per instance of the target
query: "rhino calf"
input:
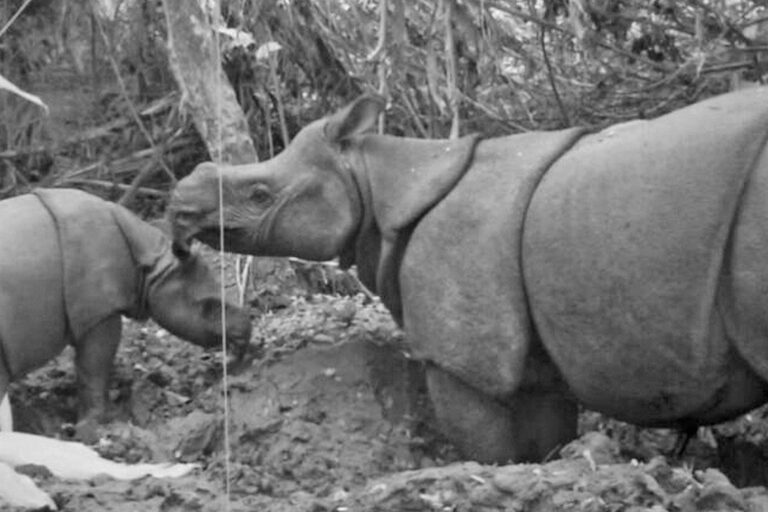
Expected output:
(71, 264)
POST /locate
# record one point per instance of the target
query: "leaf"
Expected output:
(239, 37)
(9, 86)
(267, 49)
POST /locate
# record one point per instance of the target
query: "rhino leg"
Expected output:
(94, 355)
(528, 427)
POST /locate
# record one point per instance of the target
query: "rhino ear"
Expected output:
(356, 118)
(146, 242)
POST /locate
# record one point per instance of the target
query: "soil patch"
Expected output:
(330, 417)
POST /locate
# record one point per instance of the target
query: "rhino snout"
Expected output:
(197, 194)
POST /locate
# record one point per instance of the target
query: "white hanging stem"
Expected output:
(222, 277)
(243, 268)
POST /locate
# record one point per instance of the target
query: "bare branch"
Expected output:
(124, 91)
(550, 71)
(502, 6)
(382, 41)
(450, 68)
(150, 192)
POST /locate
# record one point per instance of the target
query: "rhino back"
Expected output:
(32, 321)
(99, 270)
(625, 245)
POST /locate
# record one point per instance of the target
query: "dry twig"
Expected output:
(124, 91)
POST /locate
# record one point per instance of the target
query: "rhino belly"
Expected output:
(32, 323)
(627, 249)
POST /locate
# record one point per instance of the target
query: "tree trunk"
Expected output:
(196, 63)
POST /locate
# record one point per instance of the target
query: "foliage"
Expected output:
(520, 65)
(101, 67)
(496, 67)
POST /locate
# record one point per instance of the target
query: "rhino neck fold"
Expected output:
(409, 176)
(398, 181)
(364, 246)
(97, 266)
(140, 307)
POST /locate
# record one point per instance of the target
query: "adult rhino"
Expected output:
(70, 265)
(624, 269)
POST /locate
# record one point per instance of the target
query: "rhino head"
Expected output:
(176, 287)
(304, 202)
(334, 191)
(183, 296)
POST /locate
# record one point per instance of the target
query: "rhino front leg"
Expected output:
(526, 428)
(94, 356)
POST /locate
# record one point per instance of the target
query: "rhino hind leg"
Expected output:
(526, 428)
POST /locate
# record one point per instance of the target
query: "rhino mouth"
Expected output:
(235, 239)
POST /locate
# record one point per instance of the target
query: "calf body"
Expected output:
(71, 265)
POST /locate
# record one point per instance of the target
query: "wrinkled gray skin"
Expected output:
(124, 266)
(320, 199)
(534, 270)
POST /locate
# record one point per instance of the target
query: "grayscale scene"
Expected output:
(383, 255)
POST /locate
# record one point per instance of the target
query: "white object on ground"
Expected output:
(6, 418)
(19, 490)
(73, 460)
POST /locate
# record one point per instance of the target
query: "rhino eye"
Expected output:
(261, 195)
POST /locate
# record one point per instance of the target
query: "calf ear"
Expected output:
(356, 118)
(146, 242)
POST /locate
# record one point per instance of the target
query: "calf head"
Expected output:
(185, 298)
(180, 291)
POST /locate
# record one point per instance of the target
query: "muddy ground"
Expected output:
(327, 418)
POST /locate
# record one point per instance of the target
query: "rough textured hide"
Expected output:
(641, 272)
(29, 265)
(409, 176)
(403, 179)
(96, 286)
(468, 314)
